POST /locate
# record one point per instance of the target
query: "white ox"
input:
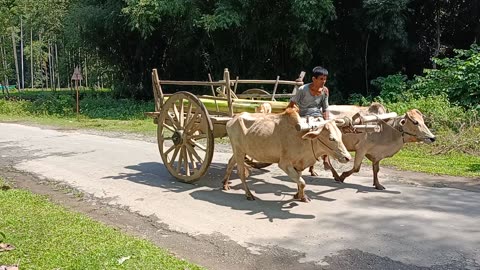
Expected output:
(386, 143)
(272, 138)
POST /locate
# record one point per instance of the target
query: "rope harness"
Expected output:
(313, 149)
(398, 127)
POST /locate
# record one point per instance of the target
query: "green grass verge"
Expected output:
(138, 126)
(418, 157)
(47, 236)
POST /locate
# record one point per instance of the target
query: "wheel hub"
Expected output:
(177, 137)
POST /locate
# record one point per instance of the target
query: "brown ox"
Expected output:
(386, 143)
(272, 138)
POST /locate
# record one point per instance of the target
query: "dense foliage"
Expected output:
(93, 104)
(117, 43)
(456, 80)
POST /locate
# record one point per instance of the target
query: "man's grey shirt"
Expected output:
(310, 105)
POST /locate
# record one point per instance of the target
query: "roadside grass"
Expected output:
(99, 111)
(138, 126)
(419, 158)
(47, 236)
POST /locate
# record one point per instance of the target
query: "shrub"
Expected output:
(111, 108)
(52, 104)
(439, 112)
(457, 77)
(391, 88)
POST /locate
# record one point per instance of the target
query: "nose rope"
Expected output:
(400, 129)
(313, 149)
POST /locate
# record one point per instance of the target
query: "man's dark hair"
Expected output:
(317, 71)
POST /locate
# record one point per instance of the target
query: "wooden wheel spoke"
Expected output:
(192, 151)
(180, 160)
(169, 150)
(201, 146)
(192, 114)
(196, 127)
(193, 161)
(173, 121)
(185, 159)
(176, 113)
(172, 129)
(174, 156)
(188, 114)
(192, 120)
(198, 136)
(181, 116)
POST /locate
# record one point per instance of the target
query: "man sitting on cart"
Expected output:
(312, 101)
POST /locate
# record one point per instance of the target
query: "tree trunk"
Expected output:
(56, 65)
(21, 54)
(437, 32)
(31, 59)
(69, 65)
(5, 66)
(366, 63)
(50, 67)
(16, 60)
(85, 71)
(40, 61)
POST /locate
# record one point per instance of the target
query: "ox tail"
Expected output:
(242, 126)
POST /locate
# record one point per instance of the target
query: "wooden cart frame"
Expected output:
(186, 127)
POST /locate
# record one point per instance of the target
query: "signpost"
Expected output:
(77, 76)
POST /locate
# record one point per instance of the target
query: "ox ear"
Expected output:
(419, 112)
(313, 134)
(403, 121)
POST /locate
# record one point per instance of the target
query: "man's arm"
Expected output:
(325, 113)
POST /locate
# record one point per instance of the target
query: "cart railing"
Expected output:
(226, 89)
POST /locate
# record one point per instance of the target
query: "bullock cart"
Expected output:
(187, 124)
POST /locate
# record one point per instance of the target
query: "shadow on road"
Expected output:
(156, 175)
(330, 182)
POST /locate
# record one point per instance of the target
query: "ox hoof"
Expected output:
(251, 198)
(226, 185)
(379, 187)
(305, 198)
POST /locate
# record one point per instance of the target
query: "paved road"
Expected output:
(346, 226)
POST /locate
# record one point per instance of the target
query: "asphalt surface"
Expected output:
(346, 226)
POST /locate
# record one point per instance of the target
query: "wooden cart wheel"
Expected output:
(257, 91)
(185, 137)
